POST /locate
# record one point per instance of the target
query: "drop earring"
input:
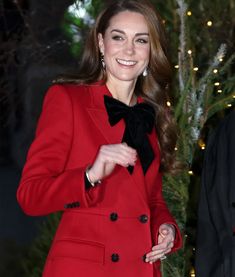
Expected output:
(102, 61)
(145, 72)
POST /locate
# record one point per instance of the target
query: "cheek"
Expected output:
(146, 55)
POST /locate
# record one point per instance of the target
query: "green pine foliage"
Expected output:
(35, 258)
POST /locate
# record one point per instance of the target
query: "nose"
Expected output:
(129, 48)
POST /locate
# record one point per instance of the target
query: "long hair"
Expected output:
(154, 87)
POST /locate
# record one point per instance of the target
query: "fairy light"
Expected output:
(192, 273)
(215, 71)
(196, 69)
(190, 52)
(190, 172)
(168, 103)
(229, 105)
(189, 13)
(216, 84)
(176, 149)
(209, 23)
(219, 91)
(221, 59)
(233, 96)
(176, 66)
(202, 144)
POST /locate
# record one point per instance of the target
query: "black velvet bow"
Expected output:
(139, 121)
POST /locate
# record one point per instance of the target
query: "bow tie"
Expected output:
(139, 120)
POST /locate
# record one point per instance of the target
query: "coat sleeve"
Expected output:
(160, 213)
(46, 186)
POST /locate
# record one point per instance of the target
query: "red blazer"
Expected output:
(104, 231)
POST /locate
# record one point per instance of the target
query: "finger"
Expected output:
(154, 258)
(117, 155)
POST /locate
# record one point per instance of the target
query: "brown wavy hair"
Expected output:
(154, 87)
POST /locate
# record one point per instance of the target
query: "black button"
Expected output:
(143, 218)
(115, 257)
(76, 204)
(233, 204)
(113, 216)
(67, 206)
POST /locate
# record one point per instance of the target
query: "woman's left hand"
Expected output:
(166, 236)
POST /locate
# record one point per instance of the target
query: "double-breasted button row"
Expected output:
(72, 205)
(115, 257)
(142, 218)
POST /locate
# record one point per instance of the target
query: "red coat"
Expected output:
(106, 231)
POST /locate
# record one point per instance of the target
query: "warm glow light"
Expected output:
(190, 172)
(209, 23)
(217, 84)
(177, 66)
(168, 103)
(190, 52)
(233, 96)
(221, 59)
(229, 105)
(202, 144)
(189, 13)
(176, 149)
(195, 68)
(215, 71)
(219, 91)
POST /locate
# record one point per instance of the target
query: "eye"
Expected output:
(142, 40)
(116, 37)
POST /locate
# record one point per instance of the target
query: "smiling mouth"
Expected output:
(125, 62)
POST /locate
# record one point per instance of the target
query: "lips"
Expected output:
(126, 62)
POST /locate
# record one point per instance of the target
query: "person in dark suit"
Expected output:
(215, 248)
(101, 147)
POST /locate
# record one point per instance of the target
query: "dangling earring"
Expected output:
(145, 72)
(102, 61)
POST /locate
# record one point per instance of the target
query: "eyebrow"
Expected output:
(137, 34)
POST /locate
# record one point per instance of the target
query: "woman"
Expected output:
(96, 155)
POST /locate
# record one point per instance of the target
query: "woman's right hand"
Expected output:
(108, 157)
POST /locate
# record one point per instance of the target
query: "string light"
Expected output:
(221, 59)
(229, 105)
(233, 96)
(190, 52)
(202, 144)
(168, 103)
(176, 66)
(215, 71)
(192, 273)
(209, 23)
(176, 149)
(189, 13)
(195, 68)
(190, 172)
(217, 84)
(219, 91)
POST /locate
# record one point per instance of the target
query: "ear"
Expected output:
(101, 43)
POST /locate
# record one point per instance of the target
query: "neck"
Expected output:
(123, 91)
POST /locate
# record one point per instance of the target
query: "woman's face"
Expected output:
(126, 46)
